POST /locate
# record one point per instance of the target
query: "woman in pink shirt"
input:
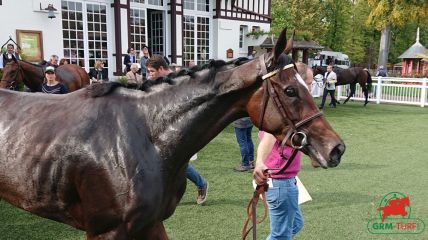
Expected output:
(286, 219)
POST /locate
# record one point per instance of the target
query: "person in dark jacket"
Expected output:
(10, 55)
(129, 59)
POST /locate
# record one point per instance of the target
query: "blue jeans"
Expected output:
(195, 177)
(324, 96)
(243, 136)
(286, 219)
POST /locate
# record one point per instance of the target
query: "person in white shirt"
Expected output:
(330, 79)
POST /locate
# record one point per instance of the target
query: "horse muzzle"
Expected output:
(331, 160)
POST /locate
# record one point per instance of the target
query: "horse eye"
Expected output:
(290, 92)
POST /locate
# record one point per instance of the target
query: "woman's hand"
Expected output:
(261, 173)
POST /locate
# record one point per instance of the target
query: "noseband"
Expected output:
(293, 132)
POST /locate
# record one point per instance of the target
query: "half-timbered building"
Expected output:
(84, 31)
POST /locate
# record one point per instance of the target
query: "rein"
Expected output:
(292, 133)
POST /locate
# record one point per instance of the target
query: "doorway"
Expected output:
(155, 31)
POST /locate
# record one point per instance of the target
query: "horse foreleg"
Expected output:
(155, 232)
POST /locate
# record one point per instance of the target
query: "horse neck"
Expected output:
(182, 125)
(33, 75)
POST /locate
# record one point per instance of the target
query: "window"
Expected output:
(196, 46)
(188, 39)
(241, 35)
(72, 32)
(255, 29)
(199, 5)
(138, 29)
(155, 2)
(84, 30)
(97, 33)
(137, 1)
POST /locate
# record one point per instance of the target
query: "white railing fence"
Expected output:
(411, 91)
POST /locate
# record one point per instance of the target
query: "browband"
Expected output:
(271, 74)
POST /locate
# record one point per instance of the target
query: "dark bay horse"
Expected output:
(111, 161)
(32, 75)
(350, 76)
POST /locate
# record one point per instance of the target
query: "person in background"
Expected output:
(98, 73)
(53, 61)
(63, 61)
(243, 128)
(252, 55)
(330, 87)
(134, 79)
(174, 67)
(51, 85)
(158, 67)
(381, 72)
(129, 59)
(145, 56)
(191, 63)
(10, 54)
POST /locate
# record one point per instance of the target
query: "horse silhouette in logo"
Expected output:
(395, 206)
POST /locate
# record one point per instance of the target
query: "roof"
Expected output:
(269, 42)
(337, 55)
(414, 51)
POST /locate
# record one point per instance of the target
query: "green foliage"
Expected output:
(336, 15)
(381, 156)
(257, 34)
(397, 12)
(123, 80)
(301, 15)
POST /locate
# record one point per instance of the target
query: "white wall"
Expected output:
(228, 37)
(26, 15)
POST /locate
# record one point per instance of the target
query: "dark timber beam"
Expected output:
(173, 31)
(117, 35)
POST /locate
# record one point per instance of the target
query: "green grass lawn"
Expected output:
(386, 151)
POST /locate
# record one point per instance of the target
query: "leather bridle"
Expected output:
(11, 83)
(269, 93)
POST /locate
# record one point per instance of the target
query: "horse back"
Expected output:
(73, 76)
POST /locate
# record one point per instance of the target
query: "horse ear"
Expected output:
(280, 44)
(289, 46)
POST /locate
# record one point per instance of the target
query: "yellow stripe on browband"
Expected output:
(271, 74)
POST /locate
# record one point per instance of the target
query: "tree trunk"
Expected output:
(385, 40)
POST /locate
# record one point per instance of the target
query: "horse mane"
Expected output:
(33, 64)
(102, 89)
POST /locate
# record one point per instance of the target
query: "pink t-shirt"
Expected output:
(274, 160)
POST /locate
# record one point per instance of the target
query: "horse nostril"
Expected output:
(336, 154)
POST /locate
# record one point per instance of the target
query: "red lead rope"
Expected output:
(251, 211)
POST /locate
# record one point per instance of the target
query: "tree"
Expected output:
(302, 15)
(386, 14)
(359, 39)
(336, 19)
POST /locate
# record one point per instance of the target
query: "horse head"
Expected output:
(319, 70)
(284, 107)
(12, 75)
